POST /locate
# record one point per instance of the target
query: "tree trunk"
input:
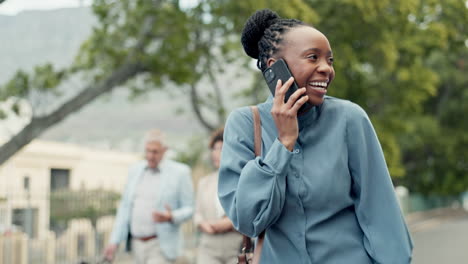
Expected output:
(196, 106)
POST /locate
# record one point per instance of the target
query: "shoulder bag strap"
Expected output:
(258, 152)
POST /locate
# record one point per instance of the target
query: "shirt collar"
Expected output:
(152, 170)
(155, 170)
(310, 116)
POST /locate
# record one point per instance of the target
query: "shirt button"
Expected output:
(296, 151)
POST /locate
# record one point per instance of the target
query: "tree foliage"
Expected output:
(156, 41)
(405, 63)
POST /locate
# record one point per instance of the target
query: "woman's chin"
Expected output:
(315, 100)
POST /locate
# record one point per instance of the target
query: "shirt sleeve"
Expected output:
(198, 216)
(251, 189)
(386, 237)
(185, 202)
(121, 225)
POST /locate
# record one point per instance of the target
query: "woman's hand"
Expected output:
(223, 225)
(206, 227)
(285, 114)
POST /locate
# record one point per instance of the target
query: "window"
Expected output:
(26, 183)
(59, 179)
(3, 212)
(26, 220)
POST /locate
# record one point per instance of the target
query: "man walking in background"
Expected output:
(158, 197)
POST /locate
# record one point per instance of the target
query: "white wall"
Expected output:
(89, 169)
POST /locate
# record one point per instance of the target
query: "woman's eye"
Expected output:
(331, 59)
(313, 57)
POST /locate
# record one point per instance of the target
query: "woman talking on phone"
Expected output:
(320, 189)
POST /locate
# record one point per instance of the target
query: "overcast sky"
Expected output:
(12, 7)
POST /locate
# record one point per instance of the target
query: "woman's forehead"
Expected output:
(306, 38)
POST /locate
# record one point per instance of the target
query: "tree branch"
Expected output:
(38, 125)
(217, 92)
(196, 108)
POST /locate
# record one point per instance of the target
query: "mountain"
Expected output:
(34, 37)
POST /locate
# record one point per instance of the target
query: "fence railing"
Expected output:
(79, 243)
(14, 248)
(64, 228)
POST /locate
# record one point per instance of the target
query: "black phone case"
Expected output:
(280, 70)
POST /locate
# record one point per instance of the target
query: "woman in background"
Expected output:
(219, 242)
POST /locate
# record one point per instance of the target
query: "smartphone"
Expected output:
(280, 71)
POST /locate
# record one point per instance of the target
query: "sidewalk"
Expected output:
(420, 221)
(417, 222)
(126, 258)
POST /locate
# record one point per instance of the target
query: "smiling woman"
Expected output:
(310, 58)
(321, 189)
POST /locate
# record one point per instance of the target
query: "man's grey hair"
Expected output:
(155, 135)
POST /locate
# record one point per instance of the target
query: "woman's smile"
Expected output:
(319, 88)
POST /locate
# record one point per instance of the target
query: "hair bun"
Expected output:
(254, 29)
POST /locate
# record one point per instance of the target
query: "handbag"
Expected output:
(250, 254)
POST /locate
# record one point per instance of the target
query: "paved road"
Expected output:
(441, 240)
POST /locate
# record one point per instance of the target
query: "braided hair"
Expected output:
(263, 34)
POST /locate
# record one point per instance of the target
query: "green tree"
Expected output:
(436, 150)
(157, 41)
(404, 62)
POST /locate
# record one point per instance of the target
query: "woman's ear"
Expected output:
(270, 61)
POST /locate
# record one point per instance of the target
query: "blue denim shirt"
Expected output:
(330, 200)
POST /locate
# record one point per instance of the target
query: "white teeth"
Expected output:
(322, 84)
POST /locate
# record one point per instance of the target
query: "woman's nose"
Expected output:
(325, 68)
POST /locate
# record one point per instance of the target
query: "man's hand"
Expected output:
(109, 252)
(162, 217)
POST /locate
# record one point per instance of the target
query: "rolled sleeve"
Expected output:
(251, 189)
(279, 156)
